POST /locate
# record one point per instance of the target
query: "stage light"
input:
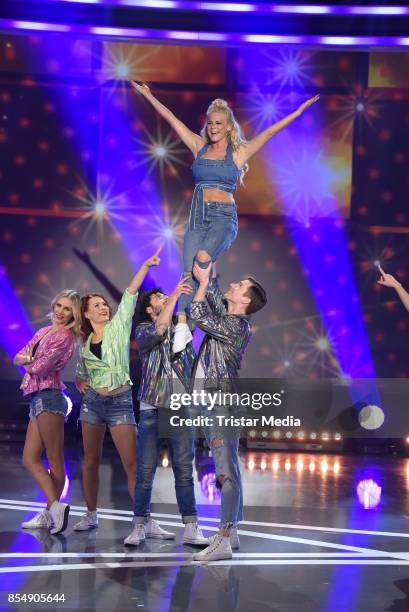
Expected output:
(159, 151)
(312, 466)
(377, 263)
(275, 465)
(251, 465)
(287, 465)
(369, 493)
(263, 464)
(371, 417)
(337, 437)
(286, 364)
(288, 435)
(68, 401)
(337, 467)
(165, 462)
(300, 465)
(407, 440)
(313, 436)
(123, 70)
(322, 344)
(168, 233)
(301, 435)
(325, 436)
(276, 434)
(360, 107)
(252, 433)
(264, 434)
(324, 466)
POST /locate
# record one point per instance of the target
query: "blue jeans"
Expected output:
(214, 234)
(108, 410)
(223, 442)
(181, 453)
(47, 400)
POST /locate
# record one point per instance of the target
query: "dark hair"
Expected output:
(145, 302)
(257, 295)
(86, 327)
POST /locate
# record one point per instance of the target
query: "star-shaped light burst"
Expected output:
(360, 106)
(263, 109)
(319, 345)
(102, 207)
(307, 182)
(123, 62)
(289, 68)
(158, 151)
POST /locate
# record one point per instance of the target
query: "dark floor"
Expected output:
(308, 542)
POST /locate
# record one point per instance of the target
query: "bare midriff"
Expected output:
(217, 195)
(106, 392)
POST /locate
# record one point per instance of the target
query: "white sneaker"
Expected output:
(182, 337)
(193, 535)
(59, 513)
(153, 530)
(88, 521)
(136, 536)
(42, 520)
(218, 549)
(234, 539)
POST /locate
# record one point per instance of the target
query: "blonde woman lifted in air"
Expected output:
(221, 155)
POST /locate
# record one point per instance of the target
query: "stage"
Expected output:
(307, 541)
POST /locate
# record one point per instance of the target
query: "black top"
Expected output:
(96, 348)
(35, 347)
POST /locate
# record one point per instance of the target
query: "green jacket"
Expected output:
(112, 370)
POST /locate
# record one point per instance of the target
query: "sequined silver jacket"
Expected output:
(226, 339)
(157, 381)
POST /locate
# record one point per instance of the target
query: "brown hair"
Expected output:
(86, 327)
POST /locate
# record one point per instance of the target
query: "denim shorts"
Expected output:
(47, 400)
(107, 410)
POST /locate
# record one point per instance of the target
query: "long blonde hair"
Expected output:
(235, 135)
(75, 324)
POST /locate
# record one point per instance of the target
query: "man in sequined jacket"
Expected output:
(161, 372)
(225, 320)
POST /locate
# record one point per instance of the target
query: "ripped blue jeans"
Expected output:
(214, 234)
(223, 442)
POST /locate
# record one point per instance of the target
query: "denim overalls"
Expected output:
(211, 227)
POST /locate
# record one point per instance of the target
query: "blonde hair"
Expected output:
(75, 324)
(235, 135)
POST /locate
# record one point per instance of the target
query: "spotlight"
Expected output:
(165, 462)
(336, 467)
(407, 440)
(300, 465)
(100, 208)
(275, 464)
(276, 434)
(69, 404)
(160, 151)
(287, 465)
(122, 70)
(289, 435)
(324, 466)
(313, 436)
(264, 434)
(369, 493)
(168, 232)
(325, 436)
(251, 465)
(371, 417)
(312, 466)
(322, 344)
(337, 436)
(360, 107)
(301, 435)
(252, 433)
(263, 465)
(286, 363)
(377, 263)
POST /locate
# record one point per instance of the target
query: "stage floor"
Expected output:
(307, 542)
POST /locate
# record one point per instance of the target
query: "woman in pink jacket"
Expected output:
(43, 358)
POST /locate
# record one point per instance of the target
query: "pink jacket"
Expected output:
(50, 358)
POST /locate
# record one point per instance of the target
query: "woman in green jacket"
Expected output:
(103, 378)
